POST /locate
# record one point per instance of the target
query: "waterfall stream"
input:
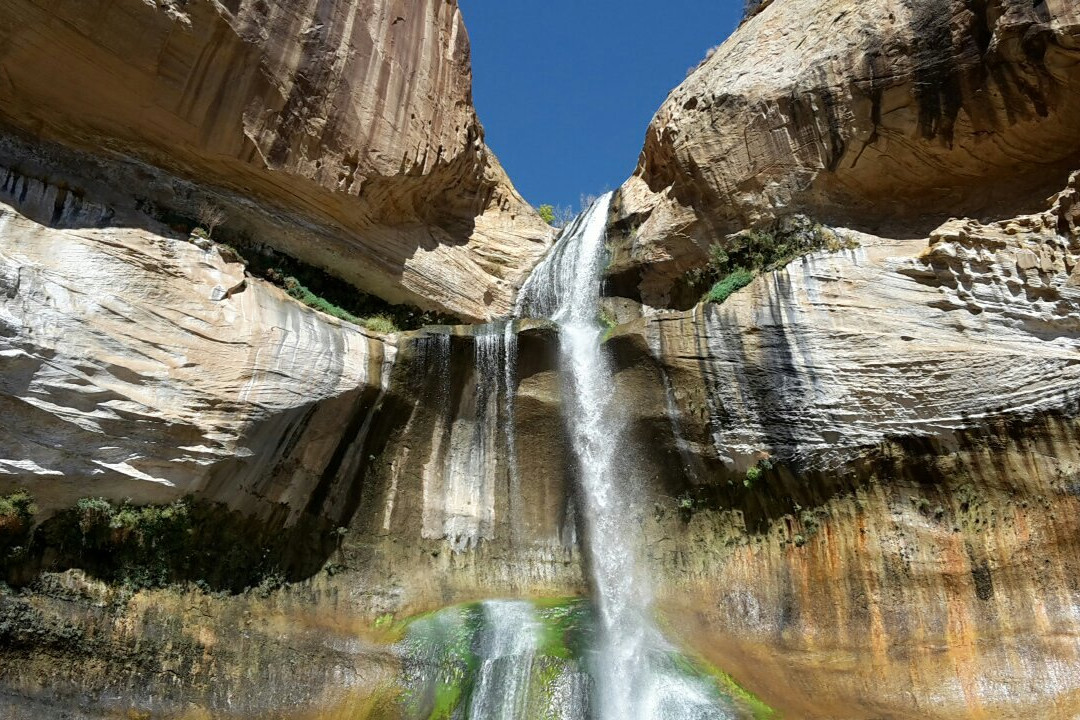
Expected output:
(632, 666)
(610, 662)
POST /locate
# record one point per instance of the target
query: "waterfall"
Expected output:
(635, 670)
(459, 480)
(561, 660)
(507, 649)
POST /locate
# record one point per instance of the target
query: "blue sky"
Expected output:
(566, 88)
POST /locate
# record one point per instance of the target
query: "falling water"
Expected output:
(634, 668)
(460, 479)
(516, 660)
(507, 649)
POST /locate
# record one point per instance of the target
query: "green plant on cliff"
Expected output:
(752, 476)
(724, 289)
(380, 323)
(733, 264)
(547, 213)
(184, 541)
(17, 507)
(17, 512)
(376, 323)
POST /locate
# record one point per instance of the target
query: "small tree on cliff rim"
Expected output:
(557, 216)
(210, 216)
(547, 213)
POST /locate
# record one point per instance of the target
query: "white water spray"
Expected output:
(634, 667)
(507, 649)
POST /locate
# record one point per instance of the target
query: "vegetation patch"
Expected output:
(732, 282)
(696, 666)
(310, 285)
(17, 512)
(377, 323)
(566, 627)
(147, 546)
(733, 264)
(440, 666)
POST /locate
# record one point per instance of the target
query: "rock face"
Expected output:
(138, 365)
(891, 115)
(858, 476)
(908, 549)
(340, 133)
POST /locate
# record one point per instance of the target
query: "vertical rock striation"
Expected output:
(341, 133)
(866, 472)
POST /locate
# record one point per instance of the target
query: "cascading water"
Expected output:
(508, 644)
(634, 668)
(517, 660)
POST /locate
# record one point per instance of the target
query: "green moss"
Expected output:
(442, 643)
(724, 289)
(447, 699)
(757, 707)
(727, 685)
(566, 627)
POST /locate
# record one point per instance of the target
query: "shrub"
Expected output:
(732, 265)
(94, 514)
(557, 216)
(722, 290)
(210, 216)
(380, 323)
(547, 213)
(752, 476)
(17, 507)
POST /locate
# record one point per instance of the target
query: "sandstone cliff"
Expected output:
(906, 550)
(889, 114)
(857, 477)
(875, 452)
(341, 133)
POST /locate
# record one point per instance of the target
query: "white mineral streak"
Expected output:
(120, 375)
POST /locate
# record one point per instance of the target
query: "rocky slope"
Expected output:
(890, 115)
(342, 134)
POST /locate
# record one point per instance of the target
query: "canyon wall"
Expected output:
(340, 133)
(330, 476)
(867, 467)
(857, 477)
(892, 115)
